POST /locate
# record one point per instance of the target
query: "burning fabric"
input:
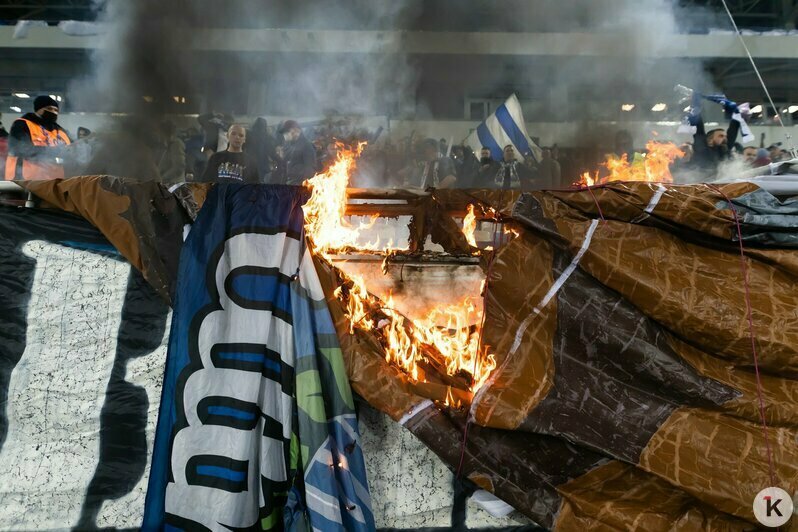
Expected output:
(630, 361)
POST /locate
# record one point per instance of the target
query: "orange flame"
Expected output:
(654, 167)
(453, 331)
(470, 226)
(325, 220)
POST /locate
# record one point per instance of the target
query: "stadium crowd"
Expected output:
(218, 148)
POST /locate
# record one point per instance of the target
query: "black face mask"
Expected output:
(49, 117)
(485, 160)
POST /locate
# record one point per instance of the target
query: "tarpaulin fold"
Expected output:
(143, 220)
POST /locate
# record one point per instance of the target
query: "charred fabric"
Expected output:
(603, 378)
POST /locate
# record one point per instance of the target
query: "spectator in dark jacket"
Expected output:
(299, 154)
(549, 172)
(512, 173)
(488, 168)
(436, 171)
(712, 148)
(467, 166)
(261, 146)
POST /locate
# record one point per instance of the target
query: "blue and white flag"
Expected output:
(257, 427)
(505, 126)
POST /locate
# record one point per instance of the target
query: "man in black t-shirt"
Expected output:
(232, 164)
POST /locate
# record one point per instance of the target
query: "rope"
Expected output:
(759, 76)
(595, 200)
(749, 313)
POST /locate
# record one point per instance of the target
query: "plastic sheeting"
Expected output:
(143, 220)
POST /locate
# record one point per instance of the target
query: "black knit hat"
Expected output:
(43, 101)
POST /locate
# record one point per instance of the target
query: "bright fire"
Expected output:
(470, 226)
(446, 339)
(654, 168)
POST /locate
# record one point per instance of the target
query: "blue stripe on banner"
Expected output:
(252, 357)
(487, 141)
(221, 472)
(246, 357)
(324, 323)
(517, 136)
(230, 412)
(263, 288)
(107, 248)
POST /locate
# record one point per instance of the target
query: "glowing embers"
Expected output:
(652, 166)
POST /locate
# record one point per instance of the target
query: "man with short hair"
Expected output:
(776, 153)
(232, 164)
(36, 141)
(488, 168)
(299, 154)
(749, 154)
(711, 148)
(512, 173)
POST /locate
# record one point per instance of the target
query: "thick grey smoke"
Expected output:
(155, 50)
(143, 58)
(639, 70)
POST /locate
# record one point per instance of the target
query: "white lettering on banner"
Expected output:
(217, 445)
(58, 387)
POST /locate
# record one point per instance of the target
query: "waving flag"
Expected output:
(505, 126)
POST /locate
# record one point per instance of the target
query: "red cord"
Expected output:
(749, 312)
(601, 214)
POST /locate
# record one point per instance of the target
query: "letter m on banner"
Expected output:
(505, 126)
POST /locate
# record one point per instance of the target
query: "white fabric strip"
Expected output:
(747, 135)
(525, 324)
(554, 288)
(655, 198)
(415, 410)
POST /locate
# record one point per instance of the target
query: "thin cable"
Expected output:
(595, 200)
(749, 313)
(758, 75)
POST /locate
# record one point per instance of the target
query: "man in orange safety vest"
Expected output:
(36, 142)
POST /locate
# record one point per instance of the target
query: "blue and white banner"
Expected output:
(505, 126)
(257, 427)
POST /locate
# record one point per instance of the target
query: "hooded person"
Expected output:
(261, 146)
(36, 142)
(299, 154)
